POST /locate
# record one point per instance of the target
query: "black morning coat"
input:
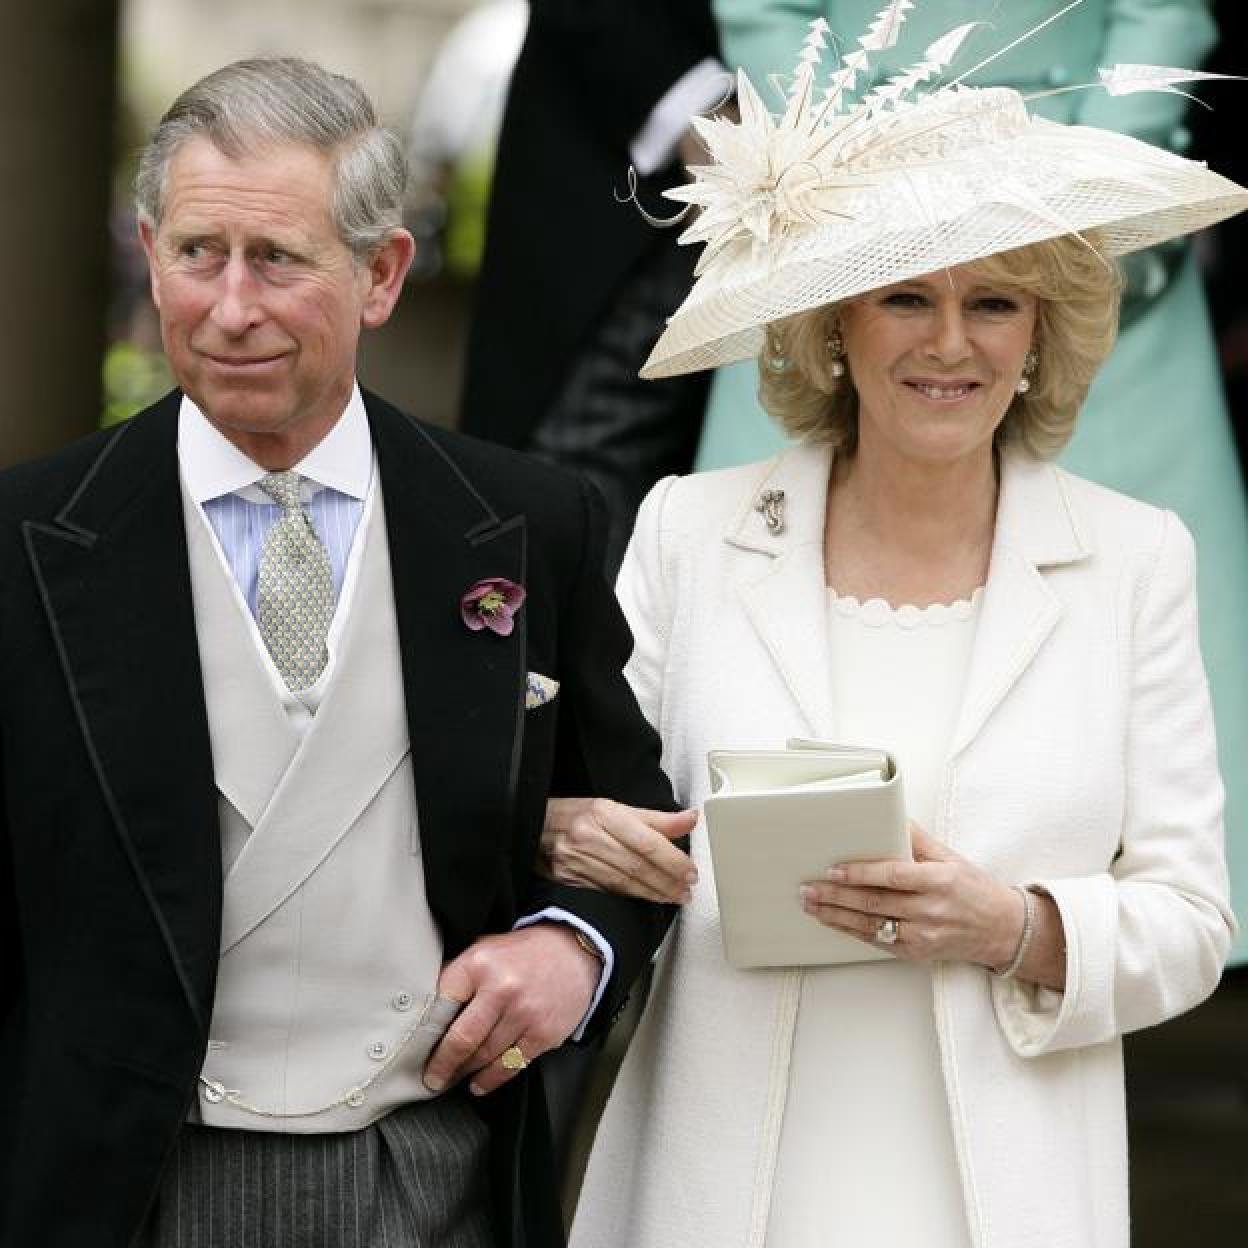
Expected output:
(559, 240)
(110, 861)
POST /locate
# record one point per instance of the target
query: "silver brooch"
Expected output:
(771, 505)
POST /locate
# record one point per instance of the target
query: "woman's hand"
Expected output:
(597, 843)
(946, 908)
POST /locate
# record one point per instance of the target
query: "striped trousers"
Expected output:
(414, 1179)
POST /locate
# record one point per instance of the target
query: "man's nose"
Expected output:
(237, 306)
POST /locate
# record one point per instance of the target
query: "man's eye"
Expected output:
(275, 255)
(193, 250)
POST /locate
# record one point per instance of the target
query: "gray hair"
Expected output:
(255, 103)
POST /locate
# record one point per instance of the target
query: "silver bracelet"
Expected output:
(1024, 939)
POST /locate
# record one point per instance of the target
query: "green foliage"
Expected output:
(133, 378)
(467, 203)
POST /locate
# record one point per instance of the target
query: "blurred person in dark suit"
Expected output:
(576, 285)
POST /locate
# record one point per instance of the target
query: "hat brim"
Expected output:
(1074, 180)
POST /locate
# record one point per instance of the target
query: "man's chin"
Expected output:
(246, 419)
(243, 407)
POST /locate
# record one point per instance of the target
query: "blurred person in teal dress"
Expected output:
(1155, 424)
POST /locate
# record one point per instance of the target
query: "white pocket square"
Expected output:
(538, 690)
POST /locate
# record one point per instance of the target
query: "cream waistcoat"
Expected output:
(325, 1006)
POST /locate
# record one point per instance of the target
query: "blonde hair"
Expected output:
(1077, 291)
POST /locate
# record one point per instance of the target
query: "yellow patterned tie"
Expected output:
(295, 596)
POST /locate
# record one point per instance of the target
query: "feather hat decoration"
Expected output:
(855, 184)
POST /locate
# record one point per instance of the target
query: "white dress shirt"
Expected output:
(699, 89)
(337, 473)
(338, 488)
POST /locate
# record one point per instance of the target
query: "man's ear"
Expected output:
(147, 238)
(386, 267)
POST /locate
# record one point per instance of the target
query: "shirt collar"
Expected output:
(211, 465)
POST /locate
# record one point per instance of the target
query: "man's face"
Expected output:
(261, 304)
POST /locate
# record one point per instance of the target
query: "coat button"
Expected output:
(214, 1093)
(377, 1050)
(355, 1098)
(401, 1000)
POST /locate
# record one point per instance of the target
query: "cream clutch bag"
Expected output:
(777, 818)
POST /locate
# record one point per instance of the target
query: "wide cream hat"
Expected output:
(829, 200)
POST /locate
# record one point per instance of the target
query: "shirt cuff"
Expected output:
(696, 91)
(555, 914)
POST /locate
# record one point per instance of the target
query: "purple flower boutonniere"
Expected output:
(492, 603)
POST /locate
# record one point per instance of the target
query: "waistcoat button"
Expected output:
(214, 1093)
(355, 1098)
(377, 1050)
(401, 1000)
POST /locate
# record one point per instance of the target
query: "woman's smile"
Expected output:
(944, 393)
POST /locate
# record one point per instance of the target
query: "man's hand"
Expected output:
(528, 988)
(593, 842)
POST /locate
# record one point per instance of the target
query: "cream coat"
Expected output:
(1083, 761)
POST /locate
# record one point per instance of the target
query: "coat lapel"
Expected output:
(782, 584)
(112, 571)
(1035, 529)
(782, 589)
(464, 689)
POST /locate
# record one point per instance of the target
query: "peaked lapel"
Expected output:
(464, 690)
(781, 582)
(112, 572)
(1036, 528)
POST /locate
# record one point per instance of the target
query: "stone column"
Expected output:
(57, 97)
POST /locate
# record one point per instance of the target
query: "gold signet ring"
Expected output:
(513, 1058)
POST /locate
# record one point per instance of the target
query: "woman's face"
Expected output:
(935, 362)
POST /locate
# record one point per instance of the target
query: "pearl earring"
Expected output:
(1030, 362)
(835, 345)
